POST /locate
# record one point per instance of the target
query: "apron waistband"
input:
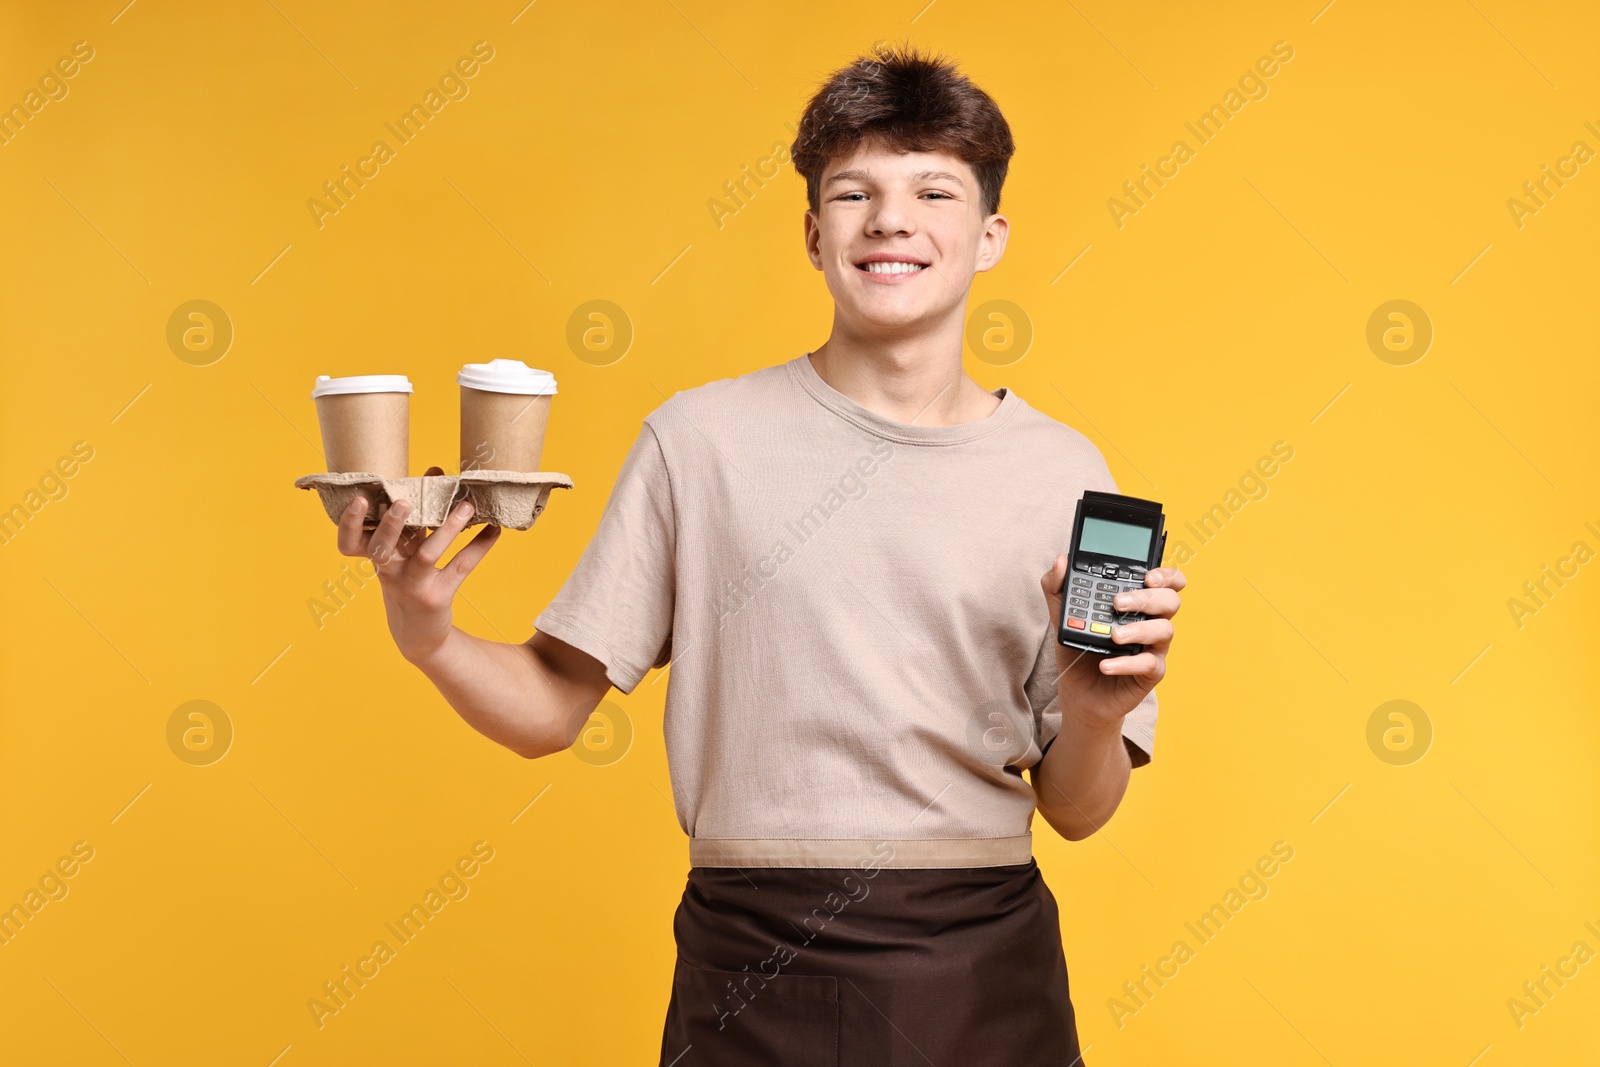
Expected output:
(875, 853)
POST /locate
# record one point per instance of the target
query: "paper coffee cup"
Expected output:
(365, 423)
(505, 406)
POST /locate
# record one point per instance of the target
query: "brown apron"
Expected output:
(840, 967)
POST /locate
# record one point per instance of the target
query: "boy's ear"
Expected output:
(813, 232)
(992, 245)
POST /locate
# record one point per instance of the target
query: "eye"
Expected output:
(846, 196)
(941, 195)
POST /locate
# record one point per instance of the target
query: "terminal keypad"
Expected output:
(1090, 593)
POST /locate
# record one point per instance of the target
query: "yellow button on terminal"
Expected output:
(1099, 628)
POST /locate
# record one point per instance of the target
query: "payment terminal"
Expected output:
(1115, 541)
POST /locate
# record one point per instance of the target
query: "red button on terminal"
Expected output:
(1074, 624)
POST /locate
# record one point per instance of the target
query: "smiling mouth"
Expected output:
(891, 267)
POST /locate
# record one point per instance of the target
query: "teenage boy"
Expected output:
(852, 561)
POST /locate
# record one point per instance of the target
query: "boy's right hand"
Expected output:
(416, 593)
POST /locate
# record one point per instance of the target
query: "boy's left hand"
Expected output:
(1099, 689)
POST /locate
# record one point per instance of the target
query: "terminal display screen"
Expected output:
(1123, 540)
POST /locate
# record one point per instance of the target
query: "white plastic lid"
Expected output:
(507, 376)
(361, 383)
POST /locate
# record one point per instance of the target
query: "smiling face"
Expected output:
(899, 238)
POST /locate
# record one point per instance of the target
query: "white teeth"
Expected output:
(893, 268)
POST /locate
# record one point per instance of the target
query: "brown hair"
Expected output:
(909, 102)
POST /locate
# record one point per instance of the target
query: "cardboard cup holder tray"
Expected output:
(512, 499)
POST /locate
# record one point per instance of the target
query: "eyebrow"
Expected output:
(859, 175)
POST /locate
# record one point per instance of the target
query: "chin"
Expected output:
(899, 314)
(892, 318)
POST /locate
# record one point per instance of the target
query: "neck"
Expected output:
(915, 379)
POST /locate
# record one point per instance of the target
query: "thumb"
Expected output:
(1053, 578)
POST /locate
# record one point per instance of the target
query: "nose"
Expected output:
(889, 217)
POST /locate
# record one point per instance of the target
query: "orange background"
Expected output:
(1229, 313)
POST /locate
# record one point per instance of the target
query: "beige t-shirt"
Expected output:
(860, 651)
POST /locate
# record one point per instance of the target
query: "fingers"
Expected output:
(1167, 577)
(1053, 581)
(1160, 595)
(382, 548)
(1162, 601)
(352, 538)
(1146, 664)
(462, 562)
(440, 539)
(1149, 632)
(1054, 577)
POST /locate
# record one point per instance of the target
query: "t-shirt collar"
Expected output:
(906, 433)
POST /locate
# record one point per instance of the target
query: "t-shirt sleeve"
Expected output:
(617, 604)
(1138, 727)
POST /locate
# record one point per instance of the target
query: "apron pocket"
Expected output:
(733, 1018)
